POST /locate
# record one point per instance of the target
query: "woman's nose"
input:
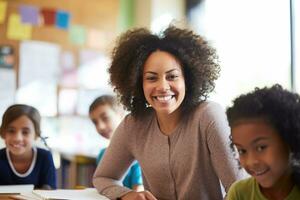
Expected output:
(163, 84)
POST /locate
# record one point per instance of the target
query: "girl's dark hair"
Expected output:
(278, 107)
(105, 100)
(15, 111)
(198, 61)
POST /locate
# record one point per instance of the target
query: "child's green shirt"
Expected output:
(248, 189)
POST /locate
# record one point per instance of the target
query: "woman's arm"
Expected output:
(218, 132)
(144, 195)
(115, 162)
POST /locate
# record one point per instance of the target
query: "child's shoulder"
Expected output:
(242, 190)
(295, 193)
(244, 183)
(3, 153)
(43, 153)
(3, 150)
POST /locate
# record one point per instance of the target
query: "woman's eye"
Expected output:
(172, 77)
(150, 78)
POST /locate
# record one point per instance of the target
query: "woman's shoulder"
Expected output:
(208, 106)
(207, 111)
(133, 121)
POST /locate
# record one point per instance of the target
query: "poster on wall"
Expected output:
(7, 88)
(38, 75)
(38, 61)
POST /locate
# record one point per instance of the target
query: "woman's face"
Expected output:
(19, 136)
(163, 82)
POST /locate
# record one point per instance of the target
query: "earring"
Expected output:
(148, 105)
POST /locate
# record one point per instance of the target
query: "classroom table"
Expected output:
(5, 198)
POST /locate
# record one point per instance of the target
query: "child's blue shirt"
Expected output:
(41, 171)
(133, 176)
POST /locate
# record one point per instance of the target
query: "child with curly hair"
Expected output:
(265, 132)
(21, 162)
(178, 137)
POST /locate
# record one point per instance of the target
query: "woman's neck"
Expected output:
(168, 122)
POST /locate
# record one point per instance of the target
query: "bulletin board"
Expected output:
(96, 14)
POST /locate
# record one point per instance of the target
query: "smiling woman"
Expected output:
(164, 82)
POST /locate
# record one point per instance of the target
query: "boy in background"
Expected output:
(106, 114)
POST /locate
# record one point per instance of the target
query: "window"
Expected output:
(252, 39)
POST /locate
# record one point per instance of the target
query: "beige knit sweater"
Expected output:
(188, 164)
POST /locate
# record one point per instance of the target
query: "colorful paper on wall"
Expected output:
(29, 14)
(62, 19)
(48, 16)
(78, 34)
(96, 39)
(3, 7)
(16, 30)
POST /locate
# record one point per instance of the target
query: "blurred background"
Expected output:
(54, 55)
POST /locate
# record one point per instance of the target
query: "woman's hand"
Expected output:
(144, 195)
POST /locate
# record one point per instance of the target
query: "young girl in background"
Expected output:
(265, 131)
(21, 162)
(106, 114)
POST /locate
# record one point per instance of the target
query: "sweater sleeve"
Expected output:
(115, 162)
(218, 132)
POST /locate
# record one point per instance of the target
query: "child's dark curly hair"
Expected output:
(197, 58)
(278, 107)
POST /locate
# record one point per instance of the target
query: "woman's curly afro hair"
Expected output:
(278, 107)
(197, 58)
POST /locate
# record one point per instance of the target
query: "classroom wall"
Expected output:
(95, 14)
